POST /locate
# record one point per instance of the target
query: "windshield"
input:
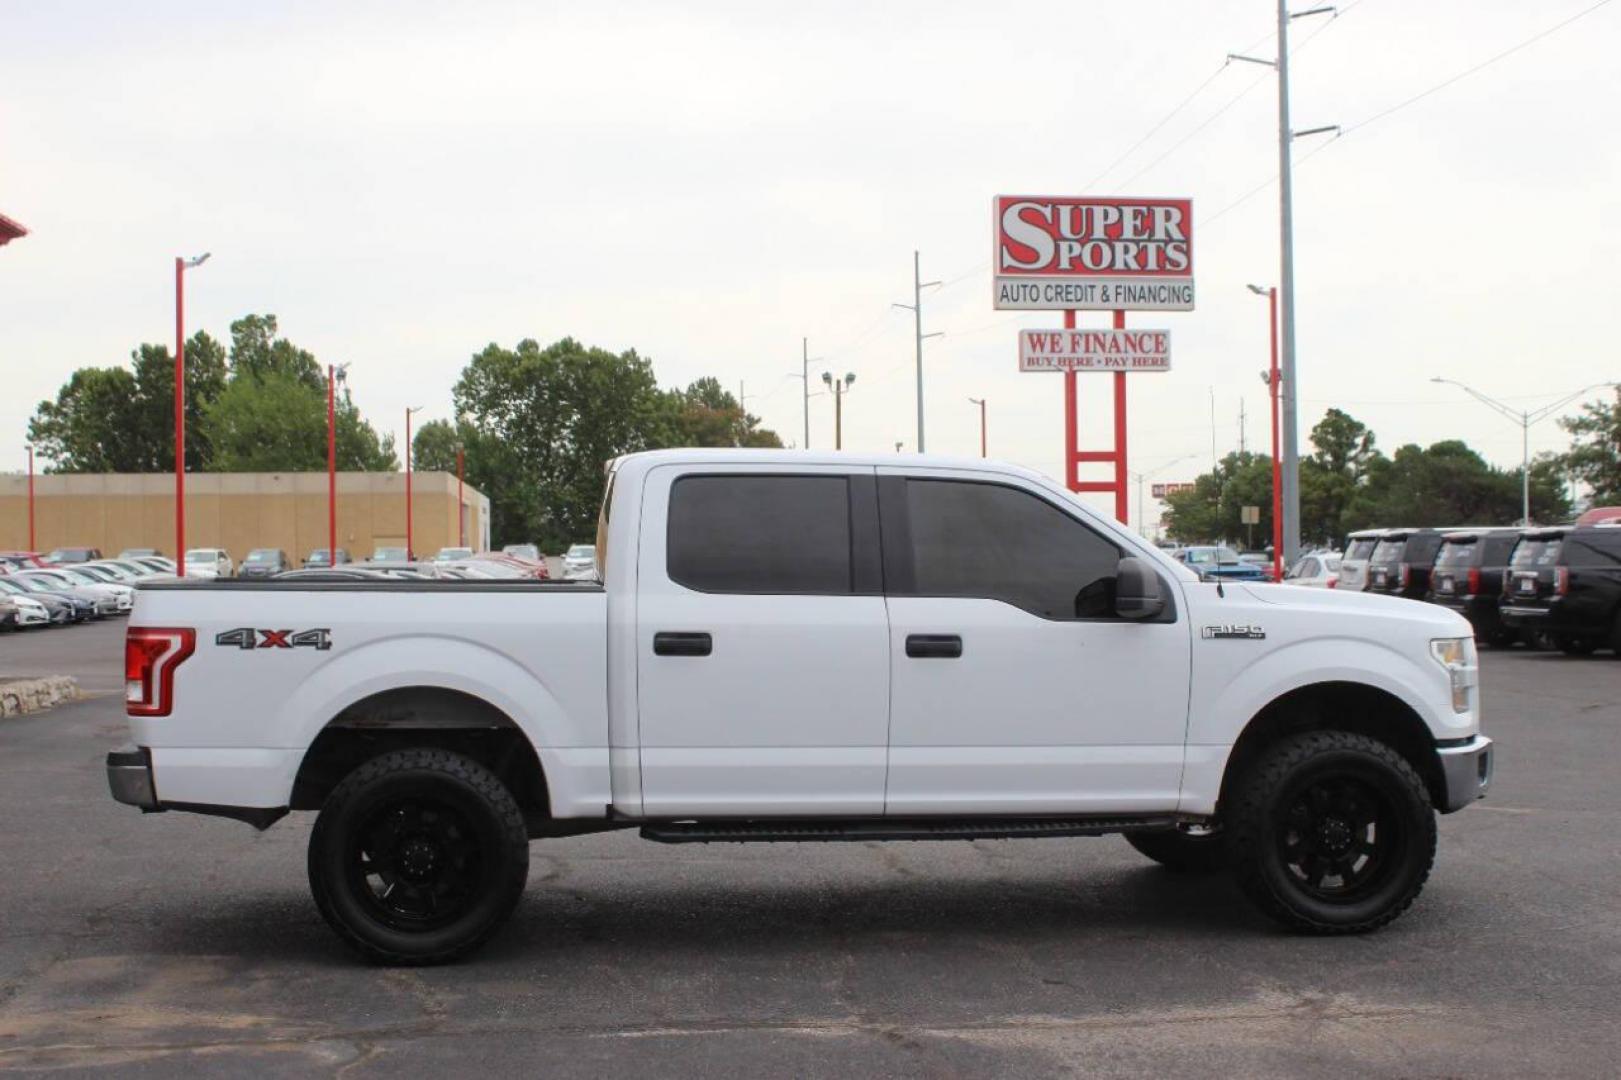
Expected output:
(81, 578)
(35, 584)
(261, 555)
(201, 555)
(446, 554)
(581, 551)
(1456, 553)
(389, 553)
(1529, 554)
(1389, 550)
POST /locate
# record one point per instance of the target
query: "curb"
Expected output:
(19, 696)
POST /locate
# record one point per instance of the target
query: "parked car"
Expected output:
(580, 562)
(1302, 742)
(1354, 563)
(1600, 515)
(349, 572)
(1263, 559)
(102, 597)
(451, 554)
(9, 617)
(1566, 584)
(61, 606)
(537, 571)
(1315, 570)
(209, 563)
(1213, 562)
(264, 563)
(138, 553)
(390, 555)
(322, 557)
(137, 569)
(23, 558)
(1402, 560)
(42, 609)
(1468, 578)
(63, 555)
(523, 551)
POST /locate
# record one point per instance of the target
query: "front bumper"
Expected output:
(1466, 771)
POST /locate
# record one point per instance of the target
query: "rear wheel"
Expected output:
(418, 856)
(1332, 833)
(1189, 853)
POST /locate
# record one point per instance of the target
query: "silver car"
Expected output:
(580, 563)
(1354, 563)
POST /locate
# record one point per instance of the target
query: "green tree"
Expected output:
(276, 422)
(257, 351)
(1447, 483)
(1213, 510)
(708, 415)
(433, 449)
(1594, 457)
(122, 419)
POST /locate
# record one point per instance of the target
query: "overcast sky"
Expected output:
(403, 183)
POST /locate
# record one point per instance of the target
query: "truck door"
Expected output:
(762, 642)
(1017, 689)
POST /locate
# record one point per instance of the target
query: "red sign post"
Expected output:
(1093, 254)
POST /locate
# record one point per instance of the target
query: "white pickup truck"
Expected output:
(796, 646)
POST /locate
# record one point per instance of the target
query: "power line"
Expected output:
(1511, 50)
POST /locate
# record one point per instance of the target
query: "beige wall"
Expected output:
(238, 512)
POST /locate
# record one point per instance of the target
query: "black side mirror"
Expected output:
(1137, 593)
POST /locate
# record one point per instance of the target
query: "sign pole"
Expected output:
(1072, 476)
(1121, 511)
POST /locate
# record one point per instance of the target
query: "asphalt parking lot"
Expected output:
(152, 945)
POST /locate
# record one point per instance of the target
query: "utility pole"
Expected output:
(981, 403)
(916, 308)
(1241, 446)
(1288, 392)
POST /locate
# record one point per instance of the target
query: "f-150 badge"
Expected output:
(246, 637)
(1234, 630)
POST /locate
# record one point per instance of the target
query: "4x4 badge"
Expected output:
(246, 637)
(1234, 630)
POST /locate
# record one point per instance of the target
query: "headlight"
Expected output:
(1458, 656)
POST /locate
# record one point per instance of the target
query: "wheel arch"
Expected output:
(1339, 705)
(422, 716)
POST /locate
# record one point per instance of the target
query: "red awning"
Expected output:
(10, 230)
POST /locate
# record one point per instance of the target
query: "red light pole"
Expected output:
(981, 403)
(410, 547)
(1274, 382)
(180, 268)
(31, 544)
(461, 518)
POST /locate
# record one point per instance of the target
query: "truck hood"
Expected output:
(1360, 603)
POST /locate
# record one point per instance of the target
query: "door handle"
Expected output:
(933, 646)
(672, 643)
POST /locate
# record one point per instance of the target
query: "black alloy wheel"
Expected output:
(418, 856)
(1331, 832)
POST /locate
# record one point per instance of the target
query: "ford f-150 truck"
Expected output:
(797, 646)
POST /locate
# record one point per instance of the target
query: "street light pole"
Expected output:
(334, 375)
(840, 387)
(981, 403)
(1525, 418)
(181, 265)
(461, 518)
(1140, 477)
(410, 546)
(1272, 377)
(804, 377)
(32, 547)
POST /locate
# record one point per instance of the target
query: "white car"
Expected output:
(793, 645)
(30, 612)
(453, 554)
(1354, 563)
(209, 563)
(1315, 570)
(580, 563)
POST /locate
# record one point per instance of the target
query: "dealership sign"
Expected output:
(1081, 254)
(1094, 350)
(1162, 490)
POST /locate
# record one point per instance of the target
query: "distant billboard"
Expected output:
(1058, 253)
(1094, 350)
(1161, 490)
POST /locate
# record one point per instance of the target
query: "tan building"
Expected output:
(241, 511)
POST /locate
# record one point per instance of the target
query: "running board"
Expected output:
(825, 831)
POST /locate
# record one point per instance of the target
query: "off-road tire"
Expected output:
(496, 844)
(1258, 824)
(1179, 851)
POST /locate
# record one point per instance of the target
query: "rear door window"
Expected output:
(751, 533)
(1389, 551)
(1456, 553)
(1360, 549)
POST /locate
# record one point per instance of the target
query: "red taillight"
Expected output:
(1333, 583)
(1474, 580)
(1561, 580)
(1404, 575)
(151, 654)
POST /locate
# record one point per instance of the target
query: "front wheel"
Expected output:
(418, 856)
(1332, 833)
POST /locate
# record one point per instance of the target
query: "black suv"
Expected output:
(1401, 561)
(1468, 578)
(1566, 583)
